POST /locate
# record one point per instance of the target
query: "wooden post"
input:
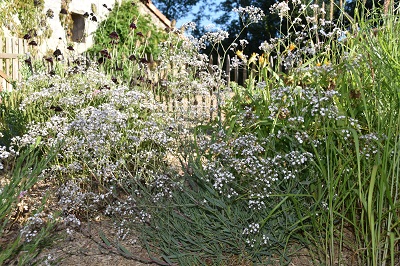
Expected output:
(228, 70)
(1, 63)
(8, 63)
(244, 74)
(210, 64)
(21, 50)
(211, 103)
(236, 71)
(15, 63)
(253, 73)
(388, 4)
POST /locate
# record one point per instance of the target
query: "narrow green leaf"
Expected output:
(104, 238)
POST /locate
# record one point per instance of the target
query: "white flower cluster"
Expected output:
(243, 159)
(370, 144)
(250, 14)
(266, 47)
(252, 228)
(72, 199)
(215, 37)
(253, 236)
(286, 101)
(4, 154)
(34, 224)
(280, 8)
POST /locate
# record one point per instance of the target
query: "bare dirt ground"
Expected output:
(86, 247)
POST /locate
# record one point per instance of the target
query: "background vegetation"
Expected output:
(21, 17)
(126, 38)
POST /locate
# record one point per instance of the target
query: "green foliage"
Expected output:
(25, 173)
(200, 224)
(12, 120)
(342, 108)
(31, 18)
(377, 81)
(124, 39)
(137, 34)
(309, 157)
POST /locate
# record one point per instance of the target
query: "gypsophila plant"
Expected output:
(249, 14)
(113, 137)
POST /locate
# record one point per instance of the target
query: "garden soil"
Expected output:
(86, 247)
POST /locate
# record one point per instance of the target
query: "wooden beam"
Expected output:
(4, 75)
(158, 13)
(8, 56)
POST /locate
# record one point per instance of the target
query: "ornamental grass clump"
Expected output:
(33, 226)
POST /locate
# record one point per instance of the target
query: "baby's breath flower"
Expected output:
(266, 47)
(281, 8)
(243, 43)
(216, 36)
(250, 14)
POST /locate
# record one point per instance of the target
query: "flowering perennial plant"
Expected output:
(110, 135)
(250, 14)
(293, 138)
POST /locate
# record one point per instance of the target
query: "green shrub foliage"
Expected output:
(126, 31)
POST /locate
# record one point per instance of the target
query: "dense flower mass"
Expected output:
(108, 133)
(282, 8)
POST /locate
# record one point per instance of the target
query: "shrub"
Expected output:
(125, 38)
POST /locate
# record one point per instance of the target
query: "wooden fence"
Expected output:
(10, 65)
(235, 74)
(195, 106)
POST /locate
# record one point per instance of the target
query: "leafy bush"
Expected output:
(12, 120)
(30, 18)
(125, 38)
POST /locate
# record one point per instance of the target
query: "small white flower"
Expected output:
(281, 8)
(250, 14)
